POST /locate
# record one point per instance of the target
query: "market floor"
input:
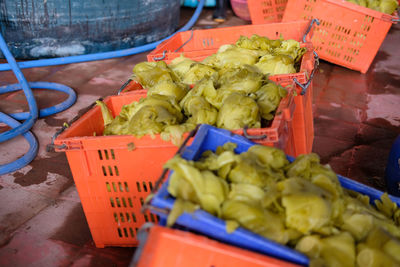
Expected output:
(356, 119)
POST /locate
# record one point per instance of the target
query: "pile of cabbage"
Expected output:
(299, 204)
(385, 6)
(231, 90)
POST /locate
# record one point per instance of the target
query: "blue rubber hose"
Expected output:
(25, 159)
(104, 55)
(33, 114)
(43, 85)
(33, 110)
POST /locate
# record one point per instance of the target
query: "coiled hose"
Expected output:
(33, 114)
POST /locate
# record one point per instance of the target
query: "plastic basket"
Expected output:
(266, 11)
(169, 247)
(114, 174)
(199, 44)
(349, 35)
(240, 8)
(209, 138)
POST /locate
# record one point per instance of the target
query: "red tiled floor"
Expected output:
(41, 219)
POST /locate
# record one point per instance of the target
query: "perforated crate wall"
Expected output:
(348, 35)
(113, 191)
(266, 11)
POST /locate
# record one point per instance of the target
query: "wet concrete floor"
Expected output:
(356, 117)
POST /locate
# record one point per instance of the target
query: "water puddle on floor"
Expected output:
(384, 106)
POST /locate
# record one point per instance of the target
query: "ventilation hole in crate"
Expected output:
(131, 232)
(123, 202)
(112, 202)
(151, 186)
(128, 218)
(118, 202)
(308, 8)
(146, 218)
(348, 58)
(152, 218)
(108, 187)
(158, 217)
(120, 187)
(110, 171)
(368, 19)
(114, 187)
(125, 232)
(138, 187)
(141, 201)
(133, 217)
(144, 186)
(121, 215)
(100, 155)
(106, 154)
(104, 170)
(136, 230)
(119, 232)
(116, 170)
(126, 187)
(116, 217)
(130, 202)
(112, 153)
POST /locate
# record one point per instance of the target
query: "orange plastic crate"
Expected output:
(169, 247)
(199, 44)
(114, 174)
(349, 35)
(266, 11)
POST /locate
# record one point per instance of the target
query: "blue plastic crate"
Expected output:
(209, 138)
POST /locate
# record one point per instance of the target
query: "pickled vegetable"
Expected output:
(299, 204)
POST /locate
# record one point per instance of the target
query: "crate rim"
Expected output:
(61, 142)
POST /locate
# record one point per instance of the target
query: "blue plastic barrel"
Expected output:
(392, 173)
(54, 28)
(193, 3)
